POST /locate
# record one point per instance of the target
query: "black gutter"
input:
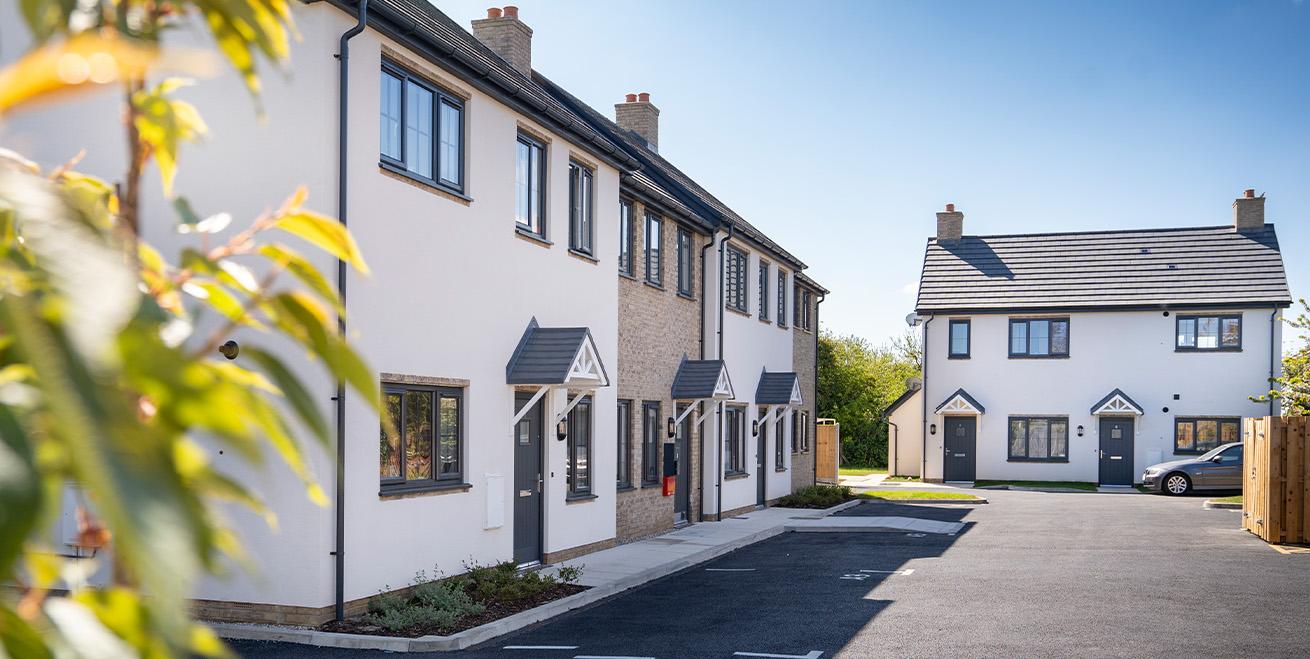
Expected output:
(718, 476)
(923, 449)
(1173, 306)
(1273, 356)
(343, 96)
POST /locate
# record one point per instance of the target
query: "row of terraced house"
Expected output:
(578, 345)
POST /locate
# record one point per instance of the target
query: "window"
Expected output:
(421, 129)
(578, 475)
(1198, 435)
(650, 443)
(530, 186)
(764, 290)
(959, 339)
(654, 251)
(684, 262)
(625, 237)
(581, 232)
(624, 472)
(795, 432)
(1039, 337)
(779, 450)
(803, 310)
(1039, 439)
(805, 432)
(421, 436)
(735, 297)
(735, 440)
(782, 298)
(1202, 333)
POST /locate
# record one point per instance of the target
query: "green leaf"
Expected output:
(300, 317)
(18, 639)
(164, 124)
(217, 297)
(20, 488)
(325, 233)
(303, 270)
(300, 399)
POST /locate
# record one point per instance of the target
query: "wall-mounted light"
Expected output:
(1080, 431)
(562, 429)
(673, 428)
(230, 349)
(755, 428)
(932, 429)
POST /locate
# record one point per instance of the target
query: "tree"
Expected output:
(105, 382)
(856, 384)
(1292, 389)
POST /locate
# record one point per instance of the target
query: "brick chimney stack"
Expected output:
(637, 114)
(507, 36)
(1249, 211)
(950, 224)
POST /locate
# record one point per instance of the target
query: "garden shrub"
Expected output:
(816, 496)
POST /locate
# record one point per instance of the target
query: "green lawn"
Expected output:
(1236, 498)
(901, 479)
(861, 471)
(901, 495)
(1069, 485)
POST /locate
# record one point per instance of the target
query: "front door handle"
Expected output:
(525, 493)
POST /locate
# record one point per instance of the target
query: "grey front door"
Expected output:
(527, 483)
(1116, 450)
(761, 450)
(960, 440)
(682, 459)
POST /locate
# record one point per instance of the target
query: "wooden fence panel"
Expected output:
(1276, 487)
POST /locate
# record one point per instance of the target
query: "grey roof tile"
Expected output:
(544, 354)
(696, 379)
(1137, 268)
(775, 388)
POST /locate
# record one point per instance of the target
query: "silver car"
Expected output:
(1220, 469)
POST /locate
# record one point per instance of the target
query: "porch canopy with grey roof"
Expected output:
(556, 358)
(700, 380)
(780, 390)
(1200, 267)
(1117, 402)
(960, 402)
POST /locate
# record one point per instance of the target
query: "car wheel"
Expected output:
(1177, 483)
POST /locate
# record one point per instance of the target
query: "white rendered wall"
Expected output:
(1132, 351)
(905, 440)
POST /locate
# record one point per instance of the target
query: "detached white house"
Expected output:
(1089, 356)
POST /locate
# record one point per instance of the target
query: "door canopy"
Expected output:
(702, 379)
(779, 388)
(960, 402)
(558, 356)
(1117, 403)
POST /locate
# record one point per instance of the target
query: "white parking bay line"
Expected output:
(540, 647)
(813, 654)
(906, 573)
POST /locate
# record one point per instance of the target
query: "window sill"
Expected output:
(782, 326)
(737, 311)
(405, 176)
(628, 275)
(735, 475)
(625, 488)
(1040, 461)
(960, 357)
(411, 491)
(658, 287)
(1039, 357)
(1206, 350)
(527, 234)
(686, 296)
(766, 321)
(580, 498)
(578, 254)
(650, 484)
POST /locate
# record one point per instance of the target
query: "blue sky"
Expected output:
(839, 128)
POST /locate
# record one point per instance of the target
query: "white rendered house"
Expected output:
(1089, 356)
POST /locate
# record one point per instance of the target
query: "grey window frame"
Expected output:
(795, 431)
(1027, 438)
(685, 263)
(1028, 337)
(764, 275)
(577, 429)
(650, 442)
(805, 432)
(582, 220)
(736, 292)
(1196, 332)
(540, 197)
(623, 475)
(658, 278)
(779, 449)
(1194, 421)
(734, 435)
(438, 480)
(804, 308)
(439, 96)
(950, 338)
(627, 265)
(782, 297)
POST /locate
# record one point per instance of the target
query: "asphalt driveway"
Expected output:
(1031, 574)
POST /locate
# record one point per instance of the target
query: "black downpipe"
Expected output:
(700, 475)
(815, 466)
(343, 99)
(719, 441)
(923, 449)
(1273, 357)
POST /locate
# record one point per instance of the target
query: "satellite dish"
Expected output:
(912, 319)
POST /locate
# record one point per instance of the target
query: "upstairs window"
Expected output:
(735, 297)
(625, 238)
(421, 129)
(581, 230)
(959, 348)
(803, 309)
(530, 186)
(764, 290)
(782, 298)
(654, 251)
(1204, 333)
(421, 437)
(684, 262)
(1039, 337)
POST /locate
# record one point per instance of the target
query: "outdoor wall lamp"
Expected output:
(562, 429)
(755, 428)
(1080, 431)
(932, 429)
(230, 349)
(673, 428)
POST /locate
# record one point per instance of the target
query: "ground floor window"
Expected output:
(1039, 439)
(624, 478)
(734, 439)
(779, 452)
(650, 443)
(421, 436)
(805, 432)
(578, 474)
(1200, 434)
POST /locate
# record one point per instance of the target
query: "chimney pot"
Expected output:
(950, 224)
(1249, 193)
(631, 98)
(493, 12)
(511, 11)
(644, 97)
(1249, 211)
(507, 36)
(950, 208)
